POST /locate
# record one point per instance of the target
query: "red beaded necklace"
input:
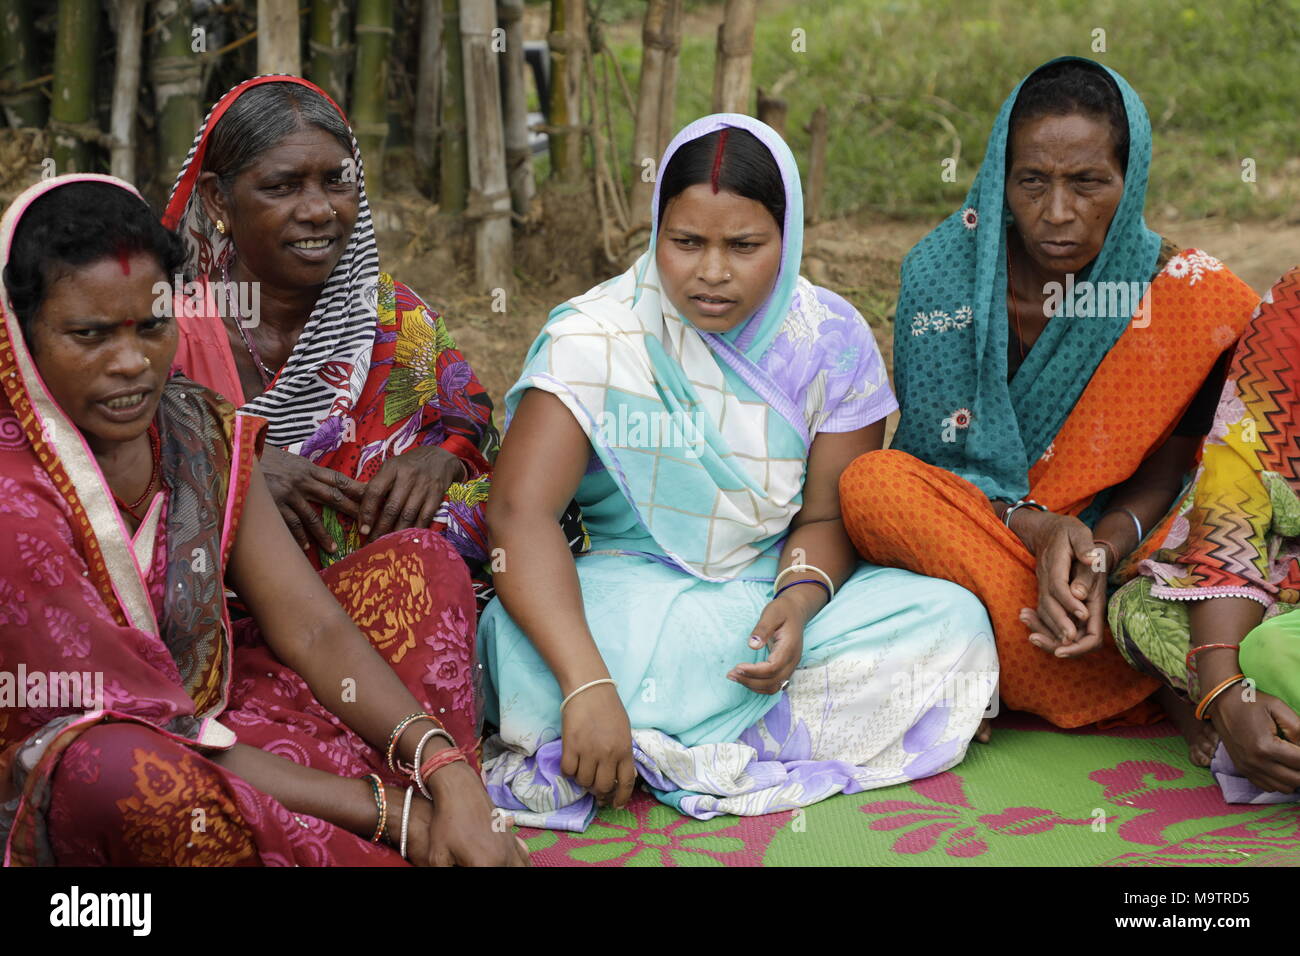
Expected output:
(155, 449)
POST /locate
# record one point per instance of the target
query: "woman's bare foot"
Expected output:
(985, 732)
(1202, 739)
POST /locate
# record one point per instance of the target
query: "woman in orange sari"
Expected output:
(1056, 364)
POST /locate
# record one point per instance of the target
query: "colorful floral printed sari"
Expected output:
(1101, 389)
(1235, 532)
(374, 373)
(134, 633)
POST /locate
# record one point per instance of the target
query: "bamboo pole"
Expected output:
(330, 51)
(734, 63)
(514, 103)
(428, 90)
(818, 130)
(453, 180)
(772, 110)
(279, 37)
(24, 107)
(655, 95)
(176, 73)
(370, 87)
(668, 91)
(126, 88)
(568, 42)
(489, 205)
(72, 123)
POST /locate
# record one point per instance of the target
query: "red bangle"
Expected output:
(1191, 655)
(439, 760)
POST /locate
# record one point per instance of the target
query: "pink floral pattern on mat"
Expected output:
(1230, 846)
(949, 818)
(1127, 785)
(647, 833)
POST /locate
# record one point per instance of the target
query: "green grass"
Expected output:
(908, 84)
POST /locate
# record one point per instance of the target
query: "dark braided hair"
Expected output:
(75, 225)
(733, 159)
(1068, 87)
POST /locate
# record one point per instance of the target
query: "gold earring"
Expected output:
(221, 227)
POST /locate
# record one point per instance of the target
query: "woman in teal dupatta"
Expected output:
(702, 405)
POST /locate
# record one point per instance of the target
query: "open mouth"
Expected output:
(127, 401)
(312, 243)
(712, 304)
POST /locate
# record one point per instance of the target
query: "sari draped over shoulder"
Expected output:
(1130, 343)
(119, 664)
(1234, 533)
(374, 373)
(699, 445)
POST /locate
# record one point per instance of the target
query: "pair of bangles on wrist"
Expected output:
(823, 580)
(1203, 707)
(419, 771)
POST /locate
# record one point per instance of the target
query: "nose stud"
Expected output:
(333, 211)
(148, 362)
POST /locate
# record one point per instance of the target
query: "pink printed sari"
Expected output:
(111, 769)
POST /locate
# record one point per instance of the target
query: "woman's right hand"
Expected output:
(1261, 737)
(1069, 613)
(296, 483)
(597, 741)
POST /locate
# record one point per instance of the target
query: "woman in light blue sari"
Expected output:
(720, 640)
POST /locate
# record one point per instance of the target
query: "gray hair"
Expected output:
(260, 119)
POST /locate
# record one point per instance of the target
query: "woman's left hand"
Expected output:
(408, 490)
(460, 827)
(780, 627)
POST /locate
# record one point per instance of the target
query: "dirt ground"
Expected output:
(857, 256)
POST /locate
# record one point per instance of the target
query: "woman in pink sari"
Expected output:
(137, 725)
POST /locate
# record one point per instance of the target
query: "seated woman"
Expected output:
(373, 415)
(142, 727)
(1191, 616)
(1050, 355)
(702, 406)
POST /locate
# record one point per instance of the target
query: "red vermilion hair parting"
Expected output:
(717, 157)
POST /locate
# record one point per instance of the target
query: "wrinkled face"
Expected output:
(102, 352)
(1063, 189)
(718, 256)
(278, 213)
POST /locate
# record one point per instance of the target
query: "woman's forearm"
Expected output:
(1221, 620)
(349, 678)
(538, 586)
(342, 801)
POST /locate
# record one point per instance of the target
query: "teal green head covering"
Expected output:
(950, 327)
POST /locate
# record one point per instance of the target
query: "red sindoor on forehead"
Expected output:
(717, 157)
(124, 258)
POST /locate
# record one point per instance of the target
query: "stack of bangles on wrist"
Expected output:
(824, 581)
(418, 770)
(1209, 698)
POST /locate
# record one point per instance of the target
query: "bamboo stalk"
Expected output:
(176, 72)
(668, 91)
(489, 191)
(772, 110)
(24, 106)
(453, 184)
(514, 102)
(370, 87)
(126, 88)
(72, 110)
(734, 63)
(428, 90)
(330, 51)
(568, 42)
(279, 37)
(818, 130)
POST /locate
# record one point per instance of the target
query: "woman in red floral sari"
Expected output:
(375, 421)
(137, 725)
